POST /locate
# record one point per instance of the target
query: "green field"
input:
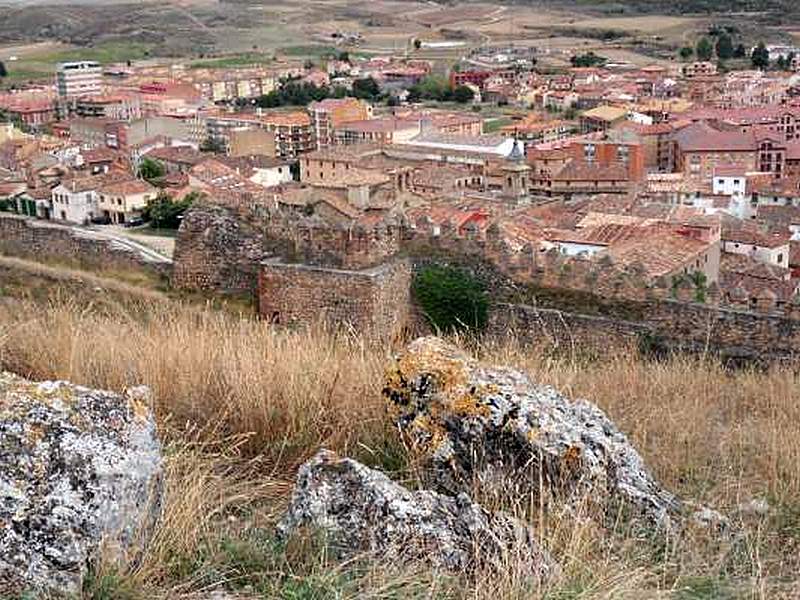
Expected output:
(237, 60)
(42, 66)
(314, 51)
(493, 125)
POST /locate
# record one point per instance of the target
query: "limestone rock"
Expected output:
(472, 424)
(363, 511)
(77, 467)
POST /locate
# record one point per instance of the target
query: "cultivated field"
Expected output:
(41, 34)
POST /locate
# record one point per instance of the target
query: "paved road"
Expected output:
(163, 244)
(149, 253)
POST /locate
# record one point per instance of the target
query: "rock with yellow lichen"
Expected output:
(491, 429)
(361, 511)
(78, 468)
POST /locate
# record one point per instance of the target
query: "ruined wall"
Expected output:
(51, 242)
(219, 249)
(733, 335)
(583, 302)
(374, 301)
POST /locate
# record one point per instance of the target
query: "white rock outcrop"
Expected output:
(362, 511)
(78, 468)
(471, 424)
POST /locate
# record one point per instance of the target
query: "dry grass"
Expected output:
(241, 405)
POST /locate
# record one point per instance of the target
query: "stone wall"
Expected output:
(50, 242)
(219, 249)
(375, 301)
(735, 336)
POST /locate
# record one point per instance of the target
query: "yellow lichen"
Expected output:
(468, 404)
(572, 457)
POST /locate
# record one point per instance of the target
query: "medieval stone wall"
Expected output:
(580, 302)
(51, 242)
(733, 335)
(374, 301)
(219, 249)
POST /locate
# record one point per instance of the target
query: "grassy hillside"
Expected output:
(241, 405)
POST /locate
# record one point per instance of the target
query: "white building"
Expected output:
(767, 249)
(76, 79)
(485, 144)
(729, 185)
(272, 175)
(75, 200)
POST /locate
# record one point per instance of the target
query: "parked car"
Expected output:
(100, 220)
(136, 222)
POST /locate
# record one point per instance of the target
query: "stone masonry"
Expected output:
(38, 240)
(374, 300)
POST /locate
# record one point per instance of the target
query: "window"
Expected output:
(780, 258)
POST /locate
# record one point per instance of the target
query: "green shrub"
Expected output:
(451, 298)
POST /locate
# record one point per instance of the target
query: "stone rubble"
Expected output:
(79, 468)
(361, 510)
(491, 427)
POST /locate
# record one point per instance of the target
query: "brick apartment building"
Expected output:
(32, 110)
(479, 78)
(331, 113)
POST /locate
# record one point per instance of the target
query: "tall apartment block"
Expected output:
(76, 79)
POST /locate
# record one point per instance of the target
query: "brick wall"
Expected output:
(375, 301)
(44, 241)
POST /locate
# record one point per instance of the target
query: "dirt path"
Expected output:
(65, 274)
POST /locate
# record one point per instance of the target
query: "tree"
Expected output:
(150, 169)
(366, 89)
(724, 47)
(463, 94)
(704, 49)
(165, 213)
(686, 52)
(760, 57)
(3, 71)
(590, 59)
(417, 44)
(451, 298)
(740, 51)
(431, 88)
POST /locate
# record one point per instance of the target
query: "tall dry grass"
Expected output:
(288, 392)
(240, 405)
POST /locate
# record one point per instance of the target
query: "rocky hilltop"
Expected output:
(80, 469)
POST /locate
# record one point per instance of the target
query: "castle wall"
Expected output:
(373, 301)
(218, 250)
(44, 241)
(734, 335)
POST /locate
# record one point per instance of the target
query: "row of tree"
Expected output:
(438, 89)
(723, 49)
(301, 93)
